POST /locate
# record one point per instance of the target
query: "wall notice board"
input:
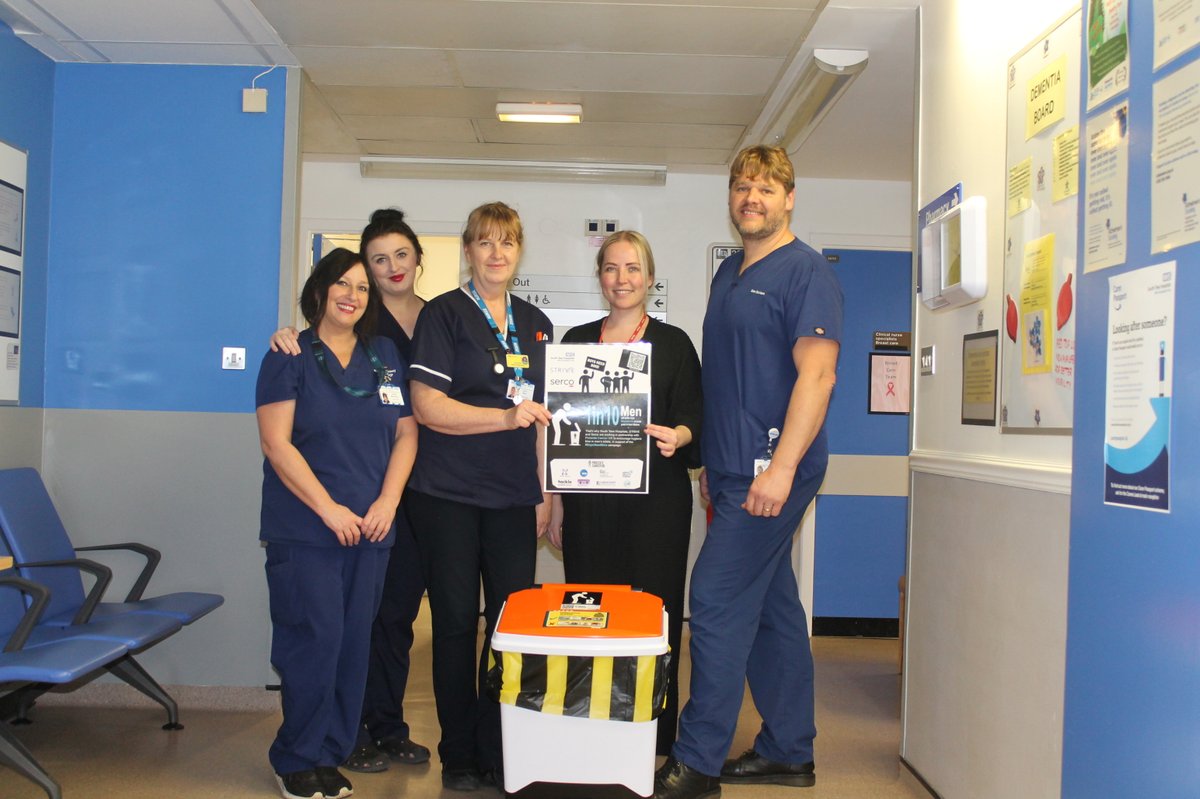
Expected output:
(1040, 232)
(12, 257)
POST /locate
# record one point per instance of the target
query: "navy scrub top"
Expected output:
(752, 323)
(346, 440)
(454, 351)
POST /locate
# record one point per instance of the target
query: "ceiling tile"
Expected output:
(616, 134)
(666, 154)
(361, 66)
(175, 53)
(178, 20)
(618, 73)
(411, 128)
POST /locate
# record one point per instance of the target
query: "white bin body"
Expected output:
(543, 747)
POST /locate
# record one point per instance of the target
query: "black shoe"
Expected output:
(300, 785)
(494, 777)
(336, 784)
(403, 750)
(461, 779)
(677, 781)
(753, 768)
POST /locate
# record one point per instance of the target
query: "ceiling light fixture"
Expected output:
(481, 169)
(811, 86)
(554, 113)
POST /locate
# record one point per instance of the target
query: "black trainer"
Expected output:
(751, 768)
(678, 781)
(300, 785)
(335, 783)
(461, 779)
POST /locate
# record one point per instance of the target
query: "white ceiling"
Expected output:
(675, 82)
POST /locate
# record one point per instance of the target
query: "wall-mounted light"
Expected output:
(808, 90)
(552, 113)
(371, 166)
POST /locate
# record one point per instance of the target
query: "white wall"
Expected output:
(989, 532)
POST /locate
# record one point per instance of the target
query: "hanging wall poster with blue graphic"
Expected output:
(1141, 350)
(598, 396)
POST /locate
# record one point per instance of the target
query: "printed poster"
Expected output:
(1037, 287)
(1137, 396)
(1176, 28)
(1105, 217)
(598, 396)
(1064, 158)
(1107, 49)
(1046, 98)
(1175, 161)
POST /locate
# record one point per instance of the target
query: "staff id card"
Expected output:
(519, 390)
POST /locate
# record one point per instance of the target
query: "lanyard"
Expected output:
(382, 373)
(636, 331)
(508, 318)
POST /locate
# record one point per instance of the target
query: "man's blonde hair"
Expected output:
(761, 161)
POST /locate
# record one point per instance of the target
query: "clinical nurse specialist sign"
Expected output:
(598, 396)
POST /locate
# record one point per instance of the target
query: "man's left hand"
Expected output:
(769, 491)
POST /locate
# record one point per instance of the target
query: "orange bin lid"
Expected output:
(575, 610)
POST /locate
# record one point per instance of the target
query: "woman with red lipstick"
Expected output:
(339, 440)
(393, 254)
(641, 539)
(476, 503)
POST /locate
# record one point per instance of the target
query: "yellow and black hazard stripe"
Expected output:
(630, 688)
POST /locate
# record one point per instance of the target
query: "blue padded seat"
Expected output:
(36, 534)
(67, 658)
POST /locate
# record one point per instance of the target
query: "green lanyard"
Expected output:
(383, 375)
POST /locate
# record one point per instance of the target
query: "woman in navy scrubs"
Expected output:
(641, 539)
(336, 428)
(392, 253)
(475, 500)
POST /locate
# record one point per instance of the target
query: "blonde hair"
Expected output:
(637, 241)
(761, 161)
(493, 218)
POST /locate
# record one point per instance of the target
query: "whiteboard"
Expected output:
(1040, 231)
(13, 164)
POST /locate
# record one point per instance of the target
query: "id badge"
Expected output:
(516, 360)
(519, 391)
(760, 465)
(390, 395)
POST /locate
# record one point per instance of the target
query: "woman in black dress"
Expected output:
(641, 539)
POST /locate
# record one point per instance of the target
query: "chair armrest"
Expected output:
(33, 613)
(103, 576)
(152, 556)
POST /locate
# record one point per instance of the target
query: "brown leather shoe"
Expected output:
(754, 769)
(677, 781)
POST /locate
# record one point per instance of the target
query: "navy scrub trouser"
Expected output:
(392, 639)
(323, 600)
(747, 623)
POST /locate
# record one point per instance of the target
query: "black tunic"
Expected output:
(642, 539)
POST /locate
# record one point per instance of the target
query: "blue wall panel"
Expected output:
(1133, 624)
(165, 243)
(26, 122)
(859, 556)
(878, 296)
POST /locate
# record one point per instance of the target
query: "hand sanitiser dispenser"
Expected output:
(954, 254)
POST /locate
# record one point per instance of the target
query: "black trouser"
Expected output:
(392, 638)
(459, 544)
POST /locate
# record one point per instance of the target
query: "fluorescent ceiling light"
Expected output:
(560, 113)
(811, 86)
(481, 169)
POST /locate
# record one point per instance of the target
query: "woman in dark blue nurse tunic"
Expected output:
(476, 503)
(339, 439)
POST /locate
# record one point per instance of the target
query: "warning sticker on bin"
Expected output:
(594, 619)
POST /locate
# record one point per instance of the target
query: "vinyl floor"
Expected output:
(105, 740)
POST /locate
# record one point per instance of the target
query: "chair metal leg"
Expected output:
(132, 672)
(14, 755)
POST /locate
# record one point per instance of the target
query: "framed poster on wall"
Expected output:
(13, 164)
(1040, 233)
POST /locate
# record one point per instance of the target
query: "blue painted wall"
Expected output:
(166, 236)
(860, 544)
(1131, 722)
(26, 122)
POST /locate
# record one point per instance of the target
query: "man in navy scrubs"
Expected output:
(771, 337)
